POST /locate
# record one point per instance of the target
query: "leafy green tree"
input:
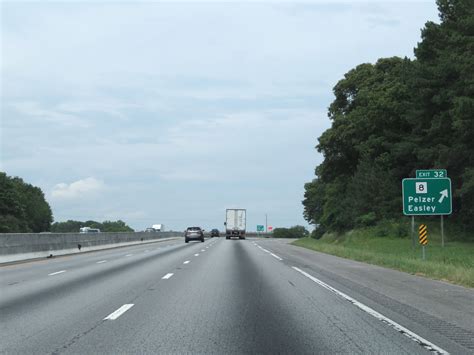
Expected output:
(71, 226)
(23, 207)
(117, 226)
(12, 213)
(445, 103)
(395, 116)
(37, 210)
(293, 232)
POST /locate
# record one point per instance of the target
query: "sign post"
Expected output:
(442, 231)
(423, 237)
(260, 228)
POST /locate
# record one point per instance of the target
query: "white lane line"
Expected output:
(167, 276)
(128, 255)
(196, 254)
(119, 312)
(102, 261)
(56, 273)
(186, 262)
(276, 256)
(413, 336)
(202, 250)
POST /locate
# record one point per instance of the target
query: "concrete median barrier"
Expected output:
(24, 246)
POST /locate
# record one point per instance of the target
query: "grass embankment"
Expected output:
(453, 263)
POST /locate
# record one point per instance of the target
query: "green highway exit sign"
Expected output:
(434, 174)
(260, 228)
(427, 196)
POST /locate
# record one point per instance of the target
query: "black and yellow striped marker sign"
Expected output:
(423, 234)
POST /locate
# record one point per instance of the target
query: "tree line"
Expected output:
(393, 117)
(292, 232)
(24, 209)
(71, 226)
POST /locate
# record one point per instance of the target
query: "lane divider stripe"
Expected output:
(102, 261)
(413, 336)
(56, 273)
(186, 262)
(167, 276)
(119, 312)
(276, 256)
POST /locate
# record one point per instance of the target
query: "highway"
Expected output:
(227, 296)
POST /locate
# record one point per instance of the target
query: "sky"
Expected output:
(171, 112)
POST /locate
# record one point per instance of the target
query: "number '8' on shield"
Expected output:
(421, 187)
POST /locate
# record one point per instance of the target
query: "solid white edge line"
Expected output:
(114, 315)
(101, 262)
(56, 273)
(167, 276)
(413, 336)
(276, 256)
(186, 262)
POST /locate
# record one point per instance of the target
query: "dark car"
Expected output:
(214, 233)
(193, 233)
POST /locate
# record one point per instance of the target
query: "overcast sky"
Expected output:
(172, 112)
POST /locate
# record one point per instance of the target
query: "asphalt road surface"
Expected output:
(227, 296)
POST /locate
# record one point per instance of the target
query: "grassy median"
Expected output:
(453, 263)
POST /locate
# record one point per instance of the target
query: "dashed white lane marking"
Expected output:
(268, 251)
(128, 255)
(413, 336)
(56, 273)
(186, 262)
(202, 250)
(276, 256)
(197, 254)
(119, 312)
(102, 261)
(167, 276)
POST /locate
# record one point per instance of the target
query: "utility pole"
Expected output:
(266, 224)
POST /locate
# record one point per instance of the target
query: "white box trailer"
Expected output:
(158, 227)
(235, 223)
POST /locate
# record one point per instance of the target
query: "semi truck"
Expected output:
(235, 223)
(158, 227)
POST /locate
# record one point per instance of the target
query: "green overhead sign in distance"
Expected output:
(427, 196)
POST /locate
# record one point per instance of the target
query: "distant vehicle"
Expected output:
(193, 233)
(214, 233)
(158, 227)
(150, 230)
(89, 230)
(235, 223)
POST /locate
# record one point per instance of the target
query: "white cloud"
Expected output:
(77, 189)
(184, 109)
(55, 116)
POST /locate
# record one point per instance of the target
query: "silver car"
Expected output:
(193, 233)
